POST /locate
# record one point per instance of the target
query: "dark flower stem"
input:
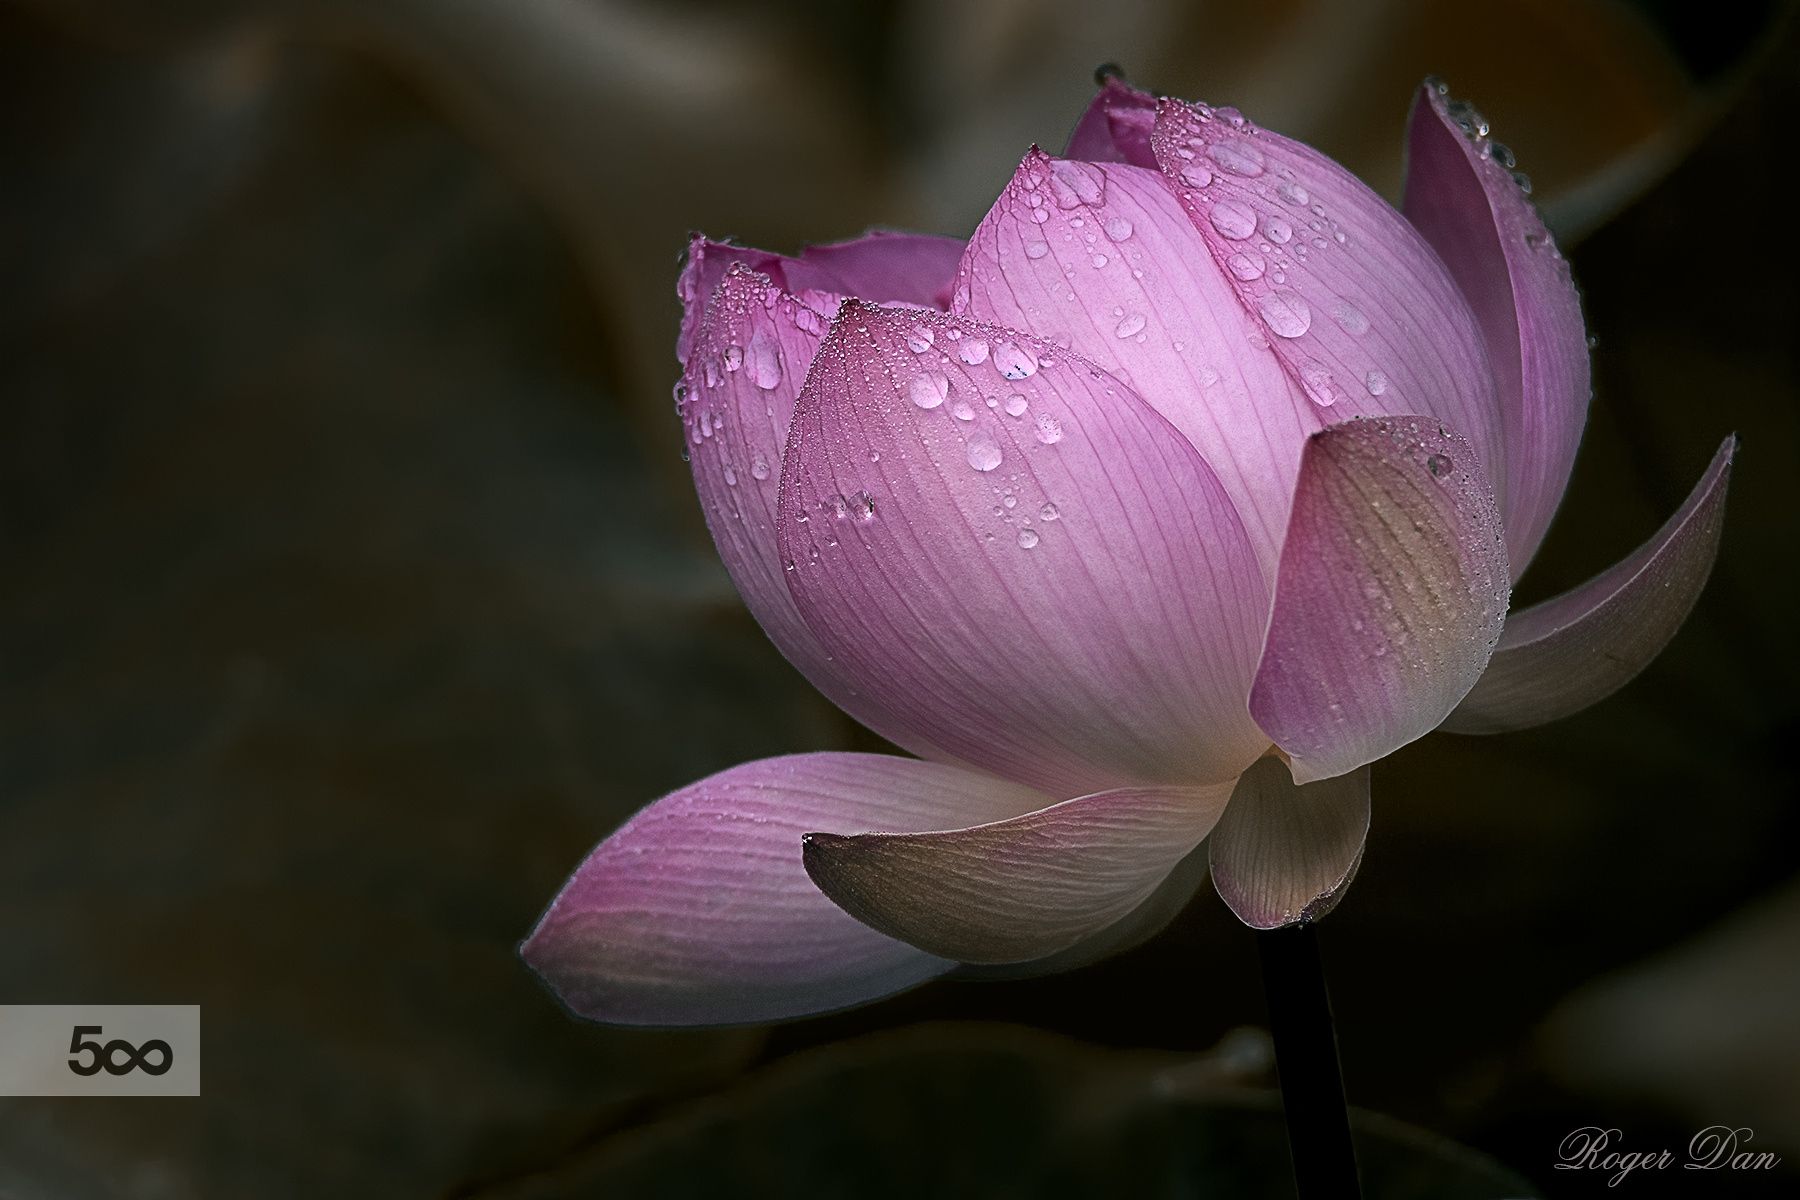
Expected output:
(1306, 1057)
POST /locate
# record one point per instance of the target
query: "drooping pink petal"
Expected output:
(1116, 126)
(1361, 314)
(1152, 915)
(1103, 256)
(1021, 888)
(1392, 590)
(1558, 657)
(699, 911)
(1014, 562)
(882, 265)
(1284, 854)
(1461, 195)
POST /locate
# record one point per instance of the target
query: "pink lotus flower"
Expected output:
(1193, 483)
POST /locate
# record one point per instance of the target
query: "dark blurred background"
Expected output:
(351, 588)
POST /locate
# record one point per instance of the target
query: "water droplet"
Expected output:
(1277, 229)
(1100, 260)
(973, 352)
(1040, 215)
(1293, 193)
(1439, 465)
(1027, 538)
(765, 361)
(1036, 249)
(1118, 228)
(1133, 323)
(1245, 266)
(1376, 382)
(1074, 183)
(734, 357)
(962, 410)
(1049, 429)
(919, 339)
(1501, 153)
(712, 373)
(1467, 118)
(929, 390)
(1048, 512)
(862, 508)
(1233, 220)
(1196, 175)
(1016, 405)
(759, 467)
(984, 453)
(1015, 362)
(808, 321)
(1349, 317)
(1320, 387)
(1288, 315)
(730, 476)
(1523, 180)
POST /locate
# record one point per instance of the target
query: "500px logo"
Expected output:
(99, 1050)
(106, 1058)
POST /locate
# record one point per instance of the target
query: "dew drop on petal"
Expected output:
(1293, 193)
(973, 352)
(984, 453)
(929, 390)
(1196, 175)
(1349, 317)
(1240, 158)
(1320, 387)
(1287, 314)
(734, 357)
(1016, 405)
(1036, 249)
(1245, 266)
(1015, 362)
(1277, 229)
(765, 362)
(1118, 228)
(1376, 382)
(1049, 429)
(962, 410)
(1439, 465)
(1048, 512)
(759, 467)
(1074, 183)
(1133, 323)
(1233, 220)
(919, 339)
(1027, 538)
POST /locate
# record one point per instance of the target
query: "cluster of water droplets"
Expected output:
(979, 412)
(1270, 223)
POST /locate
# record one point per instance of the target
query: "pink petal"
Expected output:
(1558, 657)
(1284, 855)
(748, 361)
(882, 266)
(1392, 589)
(1104, 257)
(1358, 310)
(698, 910)
(1478, 219)
(1014, 562)
(1017, 889)
(905, 268)
(1116, 126)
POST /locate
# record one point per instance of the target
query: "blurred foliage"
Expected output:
(352, 587)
